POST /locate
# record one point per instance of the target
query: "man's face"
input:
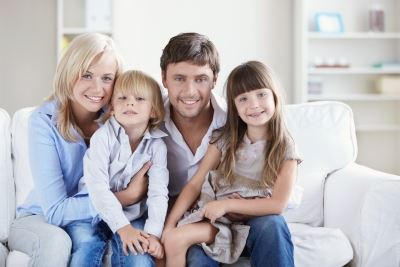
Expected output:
(189, 88)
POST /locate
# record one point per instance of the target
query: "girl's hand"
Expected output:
(213, 210)
(133, 239)
(155, 249)
(236, 217)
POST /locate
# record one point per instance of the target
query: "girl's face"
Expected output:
(93, 89)
(132, 111)
(256, 107)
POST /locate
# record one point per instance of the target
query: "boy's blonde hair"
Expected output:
(247, 77)
(72, 65)
(138, 83)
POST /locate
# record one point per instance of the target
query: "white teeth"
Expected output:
(95, 98)
(189, 102)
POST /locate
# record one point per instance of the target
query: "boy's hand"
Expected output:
(155, 249)
(133, 239)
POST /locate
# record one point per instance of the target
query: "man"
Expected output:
(190, 67)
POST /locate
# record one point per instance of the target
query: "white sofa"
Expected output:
(348, 212)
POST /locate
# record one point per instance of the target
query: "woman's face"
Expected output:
(93, 89)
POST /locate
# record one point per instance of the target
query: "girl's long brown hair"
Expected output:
(247, 77)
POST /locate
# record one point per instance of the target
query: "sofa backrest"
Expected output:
(7, 197)
(324, 133)
(325, 136)
(22, 171)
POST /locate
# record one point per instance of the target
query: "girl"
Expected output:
(256, 161)
(59, 134)
(128, 139)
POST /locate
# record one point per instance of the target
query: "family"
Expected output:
(173, 176)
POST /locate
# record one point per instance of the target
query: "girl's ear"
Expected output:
(153, 114)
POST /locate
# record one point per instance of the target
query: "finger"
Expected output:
(132, 249)
(138, 247)
(145, 168)
(124, 248)
(144, 234)
(203, 212)
(143, 240)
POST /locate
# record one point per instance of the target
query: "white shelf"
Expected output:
(353, 97)
(355, 70)
(378, 128)
(354, 35)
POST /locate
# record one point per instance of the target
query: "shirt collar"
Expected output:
(120, 131)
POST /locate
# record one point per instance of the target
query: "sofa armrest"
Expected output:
(364, 204)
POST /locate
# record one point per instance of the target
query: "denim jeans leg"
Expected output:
(196, 257)
(120, 259)
(88, 244)
(269, 242)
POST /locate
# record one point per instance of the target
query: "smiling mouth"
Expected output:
(95, 99)
(256, 114)
(189, 101)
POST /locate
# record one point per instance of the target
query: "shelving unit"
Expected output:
(75, 17)
(377, 115)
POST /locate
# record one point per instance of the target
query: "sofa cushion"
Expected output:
(22, 171)
(319, 246)
(7, 204)
(324, 133)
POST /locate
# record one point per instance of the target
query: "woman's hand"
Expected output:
(213, 210)
(133, 239)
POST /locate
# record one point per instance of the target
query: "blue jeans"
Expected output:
(268, 244)
(89, 244)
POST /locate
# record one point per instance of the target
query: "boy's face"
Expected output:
(189, 87)
(131, 111)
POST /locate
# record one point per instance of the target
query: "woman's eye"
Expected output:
(86, 76)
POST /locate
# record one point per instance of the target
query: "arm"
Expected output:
(136, 189)
(276, 204)
(58, 208)
(157, 195)
(192, 189)
(96, 177)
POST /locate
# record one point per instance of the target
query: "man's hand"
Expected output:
(139, 182)
(155, 248)
(133, 239)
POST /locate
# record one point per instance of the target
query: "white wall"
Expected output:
(27, 52)
(241, 30)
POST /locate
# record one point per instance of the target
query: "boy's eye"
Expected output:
(122, 97)
(108, 79)
(139, 98)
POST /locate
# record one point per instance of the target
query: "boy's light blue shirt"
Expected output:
(109, 166)
(57, 167)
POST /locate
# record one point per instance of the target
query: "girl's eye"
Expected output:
(139, 98)
(122, 97)
(263, 94)
(242, 99)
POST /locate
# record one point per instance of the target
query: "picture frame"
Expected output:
(329, 22)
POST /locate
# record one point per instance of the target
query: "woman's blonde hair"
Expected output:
(74, 62)
(138, 83)
(247, 77)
